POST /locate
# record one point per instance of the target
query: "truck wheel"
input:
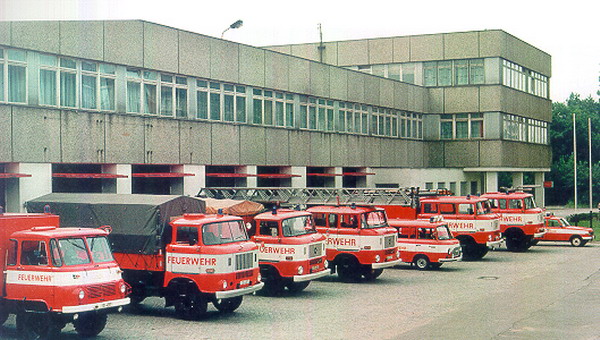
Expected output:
(348, 269)
(296, 287)
(88, 325)
(274, 284)
(228, 305)
(517, 243)
(191, 305)
(38, 326)
(371, 274)
(577, 241)
(421, 262)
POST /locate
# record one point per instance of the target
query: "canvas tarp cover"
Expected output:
(139, 222)
(232, 207)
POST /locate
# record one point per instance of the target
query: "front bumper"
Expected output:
(454, 259)
(587, 237)
(311, 276)
(494, 244)
(95, 306)
(540, 234)
(381, 265)
(237, 292)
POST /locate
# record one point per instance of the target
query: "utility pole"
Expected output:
(590, 166)
(575, 161)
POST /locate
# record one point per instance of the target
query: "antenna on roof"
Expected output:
(321, 46)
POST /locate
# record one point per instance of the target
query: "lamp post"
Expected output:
(236, 24)
(575, 161)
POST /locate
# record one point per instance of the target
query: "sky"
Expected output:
(567, 30)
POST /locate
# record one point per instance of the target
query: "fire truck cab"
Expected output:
(470, 219)
(520, 220)
(426, 244)
(53, 276)
(209, 258)
(360, 243)
(559, 229)
(290, 251)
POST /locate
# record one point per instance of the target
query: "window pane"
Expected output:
(16, 84)
(312, 118)
(461, 72)
(107, 69)
(68, 89)
(88, 92)
(68, 63)
(302, 116)
(17, 55)
(47, 87)
(430, 73)
(279, 113)
(240, 107)
(1, 82)
(215, 106)
(365, 123)
(181, 102)
(150, 98)
(166, 100)
(462, 129)
(289, 113)
(330, 119)
(321, 119)
(257, 114)
(133, 97)
(268, 111)
(107, 94)
(48, 60)
(444, 73)
(476, 129)
(446, 130)
(228, 108)
(477, 75)
(87, 66)
(202, 102)
(341, 121)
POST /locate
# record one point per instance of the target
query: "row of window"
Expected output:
(13, 70)
(461, 126)
(525, 80)
(524, 129)
(453, 72)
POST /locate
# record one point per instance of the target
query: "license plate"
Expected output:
(244, 282)
(389, 258)
(314, 268)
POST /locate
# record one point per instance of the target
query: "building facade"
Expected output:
(136, 107)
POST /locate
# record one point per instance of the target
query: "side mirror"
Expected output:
(193, 240)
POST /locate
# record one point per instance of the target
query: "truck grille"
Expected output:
(101, 290)
(389, 241)
(244, 261)
(243, 275)
(315, 250)
(456, 252)
(315, 261)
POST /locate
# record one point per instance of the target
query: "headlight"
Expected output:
(81, 294)
(123, 288)
(259, 277)
(224, 284)
(377, 258)
(300, 270)
(326, 264)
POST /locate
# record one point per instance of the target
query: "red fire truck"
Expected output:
(190, 259)
(520, 220)
(53, 276)
(426, 244)
(290, 251)
(559, 229)
(360, 243)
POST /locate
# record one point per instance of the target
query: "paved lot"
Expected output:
(550, 292)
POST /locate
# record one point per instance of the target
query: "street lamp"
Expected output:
(236, 24)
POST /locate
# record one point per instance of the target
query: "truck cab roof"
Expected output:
(511, 195)
(281, 214)
(201, 219)
(47, 232)
(343, 209)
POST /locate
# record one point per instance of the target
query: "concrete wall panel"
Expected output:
(124, 139)
(82, 137)
(339, 83)
(38, 35)
(124, 42)
(194, 54)
(401, 47)
(372, 151)
(461, 99)
(161, 48)
(528, 56)
(461, 154)
(319, 79)
(307, 51)
(353, 52)
(461, 45)
(224, 57)
(35, 135)
(225, 144)
(277, 147)
(195, 142)
(401, 151)
(320, 146)
(381, 51)
(356, 154)
(162, 141)
(253, 146)
(5, 32)
(372, 90)
(300, 148)
(252, 66)
(490, 98)
(356, 87)
(417, 159)
(339, 150)
(299, 73)
(434, 154)
(5, 129)
(386, 93)
(435, 100)
(276, 71)
(389, 152)
(82, 39)
(401, 96)
(426, 47)
(330, 53)
(492, 43)
(287, 49)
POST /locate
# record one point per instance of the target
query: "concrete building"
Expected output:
(136, 107)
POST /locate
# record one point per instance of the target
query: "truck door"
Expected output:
(182, 252)
(32, 277)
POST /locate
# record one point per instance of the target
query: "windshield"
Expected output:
(223, 232)
(483, 208)
(564, 222)
(100, 249)
(296, 226)
(73, 251)
(374, 219)
(443, 233)
(529, 203)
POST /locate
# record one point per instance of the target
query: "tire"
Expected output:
(90, 324)
(473, 251)
(228, 305)
(274, 284)
(516, 241)
(191, 305)
(577, 241)
(348, 269)
(533, 243)
(421, 262)
(297, 287)
(371, 274)
(38, 326)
